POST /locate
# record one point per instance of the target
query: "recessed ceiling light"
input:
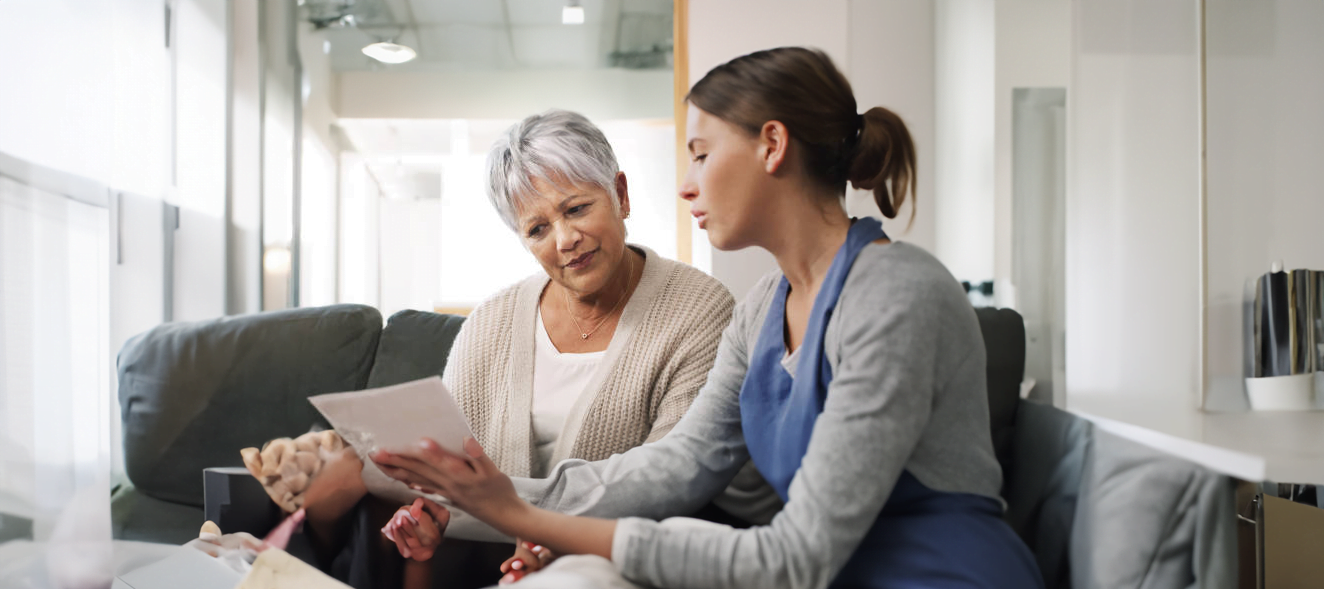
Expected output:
(389, 52)
(572, 15)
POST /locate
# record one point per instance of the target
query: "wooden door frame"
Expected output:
(681, 75)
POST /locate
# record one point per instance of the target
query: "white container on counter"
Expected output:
(1282, 393)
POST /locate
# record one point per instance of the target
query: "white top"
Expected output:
(559, 380)
(659, 356)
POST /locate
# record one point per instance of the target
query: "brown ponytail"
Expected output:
(884, 161)
(802, 89)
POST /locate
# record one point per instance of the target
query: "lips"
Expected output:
(701, 217)
(581, 261)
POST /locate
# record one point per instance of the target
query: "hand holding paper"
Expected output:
(395, 418)
(471, 481)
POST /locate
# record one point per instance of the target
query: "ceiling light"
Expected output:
(572, 14)
(389, 52)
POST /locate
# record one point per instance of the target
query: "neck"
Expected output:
(806, 239)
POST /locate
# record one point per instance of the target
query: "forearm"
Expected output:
(563, 534)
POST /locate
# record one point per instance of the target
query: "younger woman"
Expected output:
(853, 376)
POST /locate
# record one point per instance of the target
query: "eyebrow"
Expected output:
(560, 205)
(567, 199)
(690, 145)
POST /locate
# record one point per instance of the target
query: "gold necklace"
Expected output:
(629, 274)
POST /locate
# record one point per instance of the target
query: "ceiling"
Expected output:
(405, 155)
(498, 34)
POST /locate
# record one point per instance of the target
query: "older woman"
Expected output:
(601, 352)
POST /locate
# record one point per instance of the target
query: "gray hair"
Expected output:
(558, 147)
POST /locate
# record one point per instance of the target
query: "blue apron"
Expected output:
(922, 538)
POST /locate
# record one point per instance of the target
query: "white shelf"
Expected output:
(1285, 447)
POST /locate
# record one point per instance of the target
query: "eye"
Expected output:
(535, 231)
(698, 157)
(575, 210)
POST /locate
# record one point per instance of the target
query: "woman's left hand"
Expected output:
(473, 482)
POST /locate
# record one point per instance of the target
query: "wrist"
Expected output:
(516, 519)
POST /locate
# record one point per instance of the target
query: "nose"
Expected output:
(689, 187)
(567, 236)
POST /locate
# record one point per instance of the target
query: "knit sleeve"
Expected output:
(687, 370)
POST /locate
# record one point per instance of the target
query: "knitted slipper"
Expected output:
(286, 467)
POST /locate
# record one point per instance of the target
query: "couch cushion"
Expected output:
(1042, 484)
(1004, 345)
(1150, 520)
(135, 516)
(414, 345)
(193, 394)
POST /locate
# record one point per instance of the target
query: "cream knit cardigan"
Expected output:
(658, 358)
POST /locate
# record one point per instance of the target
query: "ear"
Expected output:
(623, 194)
(774, 144)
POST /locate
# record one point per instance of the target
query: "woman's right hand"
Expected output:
(528, 558)
(417, 529)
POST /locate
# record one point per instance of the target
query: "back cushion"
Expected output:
(414, 345)
(194, 394)
(1004, 344)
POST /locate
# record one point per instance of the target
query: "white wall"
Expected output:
(896, 70)
(97, 104)
(1032, 40)
(201, 54)
(1265, 144)
(963, 90)
(281, 90)
(892, 69)
(244, 213)
(1132, 219)
(58, 105)
(1032, 50)
(360, 245)
(85, 89)
(603, 94)
(319, 187)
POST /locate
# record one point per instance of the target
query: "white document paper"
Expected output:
(186, 568)
(395, 418)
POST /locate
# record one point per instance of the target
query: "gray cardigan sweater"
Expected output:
(908, 393)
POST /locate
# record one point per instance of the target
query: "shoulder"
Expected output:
(501, 306)
(902, 290)
(902, 273)
(683, 289)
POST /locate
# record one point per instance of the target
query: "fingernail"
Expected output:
(529, 545)
(506, 580)
(536, 549)
(517, 565)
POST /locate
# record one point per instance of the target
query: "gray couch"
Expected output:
(193, 394)
(1096, 510)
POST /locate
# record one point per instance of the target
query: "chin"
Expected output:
(724, 241)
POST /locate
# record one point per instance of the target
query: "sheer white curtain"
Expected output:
(54, 365)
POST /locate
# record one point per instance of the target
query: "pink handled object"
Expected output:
(280, 535)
